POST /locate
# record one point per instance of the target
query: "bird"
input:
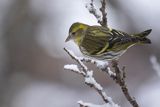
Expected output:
(104, 43)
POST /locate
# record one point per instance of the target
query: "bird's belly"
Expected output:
(108, 55)
(111, 55)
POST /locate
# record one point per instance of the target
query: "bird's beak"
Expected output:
(68, 38)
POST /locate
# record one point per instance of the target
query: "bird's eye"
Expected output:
(73, 33)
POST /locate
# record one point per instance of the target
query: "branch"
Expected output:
(102, 65)
(74, 68)
(101, 20)
(120, 80)
(117, 76)
(91, 8)
(83, 104)
(88, 76)
(71, 54)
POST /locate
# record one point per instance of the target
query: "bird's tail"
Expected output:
(142, 37)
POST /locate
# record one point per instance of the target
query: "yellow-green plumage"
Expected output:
(104, 43)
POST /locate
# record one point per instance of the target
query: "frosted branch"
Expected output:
(102, 65)
(118, 76)
(74, 68)
(103, 22)
(91, 8)
(88, 76)
(102, 19)
(83, 104)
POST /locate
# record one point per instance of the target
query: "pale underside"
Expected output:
(110, 55)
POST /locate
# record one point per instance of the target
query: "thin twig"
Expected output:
(74, 68)
(103, 22)
(91, 8)
(120, 80)
(71, 54)
(84, 104)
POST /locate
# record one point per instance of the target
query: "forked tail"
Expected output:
(142, 37)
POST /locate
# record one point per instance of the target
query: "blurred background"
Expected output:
(32, 34)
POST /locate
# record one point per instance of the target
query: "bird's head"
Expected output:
(76, 32)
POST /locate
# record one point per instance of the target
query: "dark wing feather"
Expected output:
(98, 40)
(118, 37)
(120, 41)
(95, 40)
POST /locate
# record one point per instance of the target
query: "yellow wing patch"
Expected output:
(103, 49)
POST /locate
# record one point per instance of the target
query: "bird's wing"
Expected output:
(118, 37)
(95, 40)
(98, 40)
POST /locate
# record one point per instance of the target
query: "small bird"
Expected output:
(104, 43)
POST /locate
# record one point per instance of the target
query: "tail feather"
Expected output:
(145, 40)
(141, 40)
(143, 34)
(142, 37)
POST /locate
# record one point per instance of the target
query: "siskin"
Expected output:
(104, 43)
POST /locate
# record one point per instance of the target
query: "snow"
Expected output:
(72, 67)
(72, 53)
(87, 59)
(93, 10)
(101, 64)
(93, 105)
(77, 58)
(90, 80)
(110, 72)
